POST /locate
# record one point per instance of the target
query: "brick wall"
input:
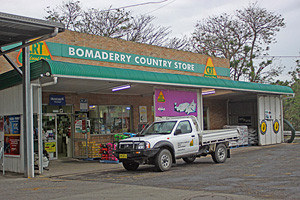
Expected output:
(217, 113)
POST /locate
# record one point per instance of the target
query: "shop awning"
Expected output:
(82, 71)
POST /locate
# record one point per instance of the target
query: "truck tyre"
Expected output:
(220, 154)
(130, 165)
(189, 159)
(163, 160)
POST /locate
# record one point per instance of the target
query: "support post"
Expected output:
(27, 115)
(200, 108)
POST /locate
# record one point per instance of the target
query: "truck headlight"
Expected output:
(140, 145)
(143, 145)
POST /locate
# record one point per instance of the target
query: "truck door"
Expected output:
(185, 139)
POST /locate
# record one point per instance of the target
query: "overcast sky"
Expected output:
(182, 15)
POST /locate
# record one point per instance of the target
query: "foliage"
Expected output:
(241, 38)
(114, 23)
(291, 106)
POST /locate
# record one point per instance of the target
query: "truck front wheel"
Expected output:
(130, 165)
(220, 154)
(163, 160)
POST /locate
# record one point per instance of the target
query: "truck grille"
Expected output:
(130, 145)
(126, 145)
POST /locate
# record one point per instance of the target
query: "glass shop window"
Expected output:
(110, 119)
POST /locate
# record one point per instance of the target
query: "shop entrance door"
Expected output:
(63, 135)
(50, 135)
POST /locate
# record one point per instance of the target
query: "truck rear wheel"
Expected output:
(130, 165)
(220, 154)
(163, 160)
(189, 159)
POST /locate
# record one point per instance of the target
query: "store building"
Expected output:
(78, 103)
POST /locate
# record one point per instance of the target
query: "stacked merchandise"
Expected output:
(243, 139)
(253, 137)
(93, 150)
(106, 151)
(118, 137)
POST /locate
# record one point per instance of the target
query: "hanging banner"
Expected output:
(175, 103)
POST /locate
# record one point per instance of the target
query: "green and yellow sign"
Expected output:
(50, 147)
(38, 51)
(210, 70)
(161, 97)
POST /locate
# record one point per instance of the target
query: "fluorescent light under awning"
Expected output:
(122, 87)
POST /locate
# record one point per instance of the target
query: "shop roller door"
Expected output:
(269, 120)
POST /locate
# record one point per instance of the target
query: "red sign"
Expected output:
(12, 145)
(83, 126)
(1, 123)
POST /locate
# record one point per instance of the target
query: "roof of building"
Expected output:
(82, 71)
(14, 28)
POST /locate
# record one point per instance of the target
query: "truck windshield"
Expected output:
(160, 128)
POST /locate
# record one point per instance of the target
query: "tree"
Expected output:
(183, 43)
(107, 23)
(144, 31)
(291, 106)
(241, 38)
(69, 13)
(263, 26)
(114, 23)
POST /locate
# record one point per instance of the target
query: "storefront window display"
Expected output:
(110, 119)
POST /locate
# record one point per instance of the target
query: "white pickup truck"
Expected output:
(165, 141)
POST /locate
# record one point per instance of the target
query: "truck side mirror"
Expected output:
(178, 131)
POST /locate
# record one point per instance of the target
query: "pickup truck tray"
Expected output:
(216, 136)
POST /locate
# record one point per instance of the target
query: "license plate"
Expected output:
(122, 155)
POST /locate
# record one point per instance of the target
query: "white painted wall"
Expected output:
(272, 104)
(11, 103)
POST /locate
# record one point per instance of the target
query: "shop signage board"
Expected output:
(38, 51)
(83, 105)
(57, 100)
(210, 70)
(11, 128)
(79, 52)
(175, 103)
(45, 50)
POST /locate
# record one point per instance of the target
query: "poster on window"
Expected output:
(175, 103)
(1, 123)
(143, 114)
(11, 128)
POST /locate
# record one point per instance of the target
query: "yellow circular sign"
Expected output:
(276, 126)
(263, 127)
